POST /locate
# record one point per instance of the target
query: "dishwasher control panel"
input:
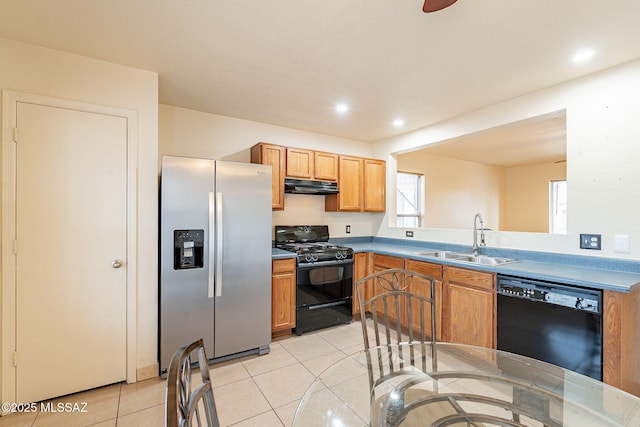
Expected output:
(551, 293)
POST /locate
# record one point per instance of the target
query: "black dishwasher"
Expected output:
(556, 323)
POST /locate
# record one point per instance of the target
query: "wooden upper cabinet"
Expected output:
(362, 184)
(300, 163)
(325, 166)
(274, 155)
(308, 164)
(374, 185)
(350, 183)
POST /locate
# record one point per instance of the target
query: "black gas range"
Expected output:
(311, 243)
(324, 278)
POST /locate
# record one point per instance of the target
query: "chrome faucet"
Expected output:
(474, 248)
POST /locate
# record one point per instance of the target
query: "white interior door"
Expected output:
(71, 233)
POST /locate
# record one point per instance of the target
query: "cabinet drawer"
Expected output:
(432, 270)
(283, 265)
(384, 262)
(477, 279)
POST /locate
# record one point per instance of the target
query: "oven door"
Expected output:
(320, 284)
(323, 295)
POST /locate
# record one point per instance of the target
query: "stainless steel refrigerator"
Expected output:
(215, 257)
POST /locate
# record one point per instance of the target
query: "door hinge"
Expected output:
(15, 358)
(15, 134)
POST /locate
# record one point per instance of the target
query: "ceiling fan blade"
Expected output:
(435, 5)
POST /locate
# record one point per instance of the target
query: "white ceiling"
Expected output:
(288, 62)
(541, 139)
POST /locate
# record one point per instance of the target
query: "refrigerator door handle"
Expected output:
(212, 238)
(219, 242)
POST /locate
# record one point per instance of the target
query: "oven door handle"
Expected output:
(329, 304)
(330, 263)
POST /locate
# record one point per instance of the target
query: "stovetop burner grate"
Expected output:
(311, 244)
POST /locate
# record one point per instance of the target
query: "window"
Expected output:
(410, 199)
(558, 207)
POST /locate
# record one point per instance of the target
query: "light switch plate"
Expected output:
(621, 243)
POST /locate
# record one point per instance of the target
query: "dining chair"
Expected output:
(399, 328)
(190, 403)
(400, 305)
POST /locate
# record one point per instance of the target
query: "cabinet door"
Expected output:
(471, 307)
(374, 185)
(274, 155)
(381, 263)
(360, 270)
(423, 288)
(350, 183)
(326, 166)
(300, 163)
(283, 295)
(471, 316)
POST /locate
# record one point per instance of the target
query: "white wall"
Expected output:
(191, 133)
(41, 71)
(603, 140)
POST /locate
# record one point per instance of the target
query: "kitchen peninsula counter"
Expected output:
(618, 279)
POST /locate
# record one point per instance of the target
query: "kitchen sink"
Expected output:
(470, 258)
(441, 254)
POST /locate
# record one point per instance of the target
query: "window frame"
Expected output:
(554, 203)
(420, 201)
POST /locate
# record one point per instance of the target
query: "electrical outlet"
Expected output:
(348, 229)
(590, 241)
(408, 233)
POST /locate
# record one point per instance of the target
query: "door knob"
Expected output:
(116, 263)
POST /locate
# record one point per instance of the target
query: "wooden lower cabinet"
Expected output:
(283, 295)
(380, 263)
(621, 340)
(361, 263)
(384, 262)
(422, 287)
(466, 313)
(470, 307)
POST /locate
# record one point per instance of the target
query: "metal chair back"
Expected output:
(190, 403)
(397, 306)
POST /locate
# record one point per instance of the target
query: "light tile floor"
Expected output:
(251, 391)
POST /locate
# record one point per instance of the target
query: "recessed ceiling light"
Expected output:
(342, 108)
(398, 123)
(583, 55)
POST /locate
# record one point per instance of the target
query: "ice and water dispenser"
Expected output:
(188, 249)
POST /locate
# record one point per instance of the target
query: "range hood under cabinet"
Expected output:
(303, 186)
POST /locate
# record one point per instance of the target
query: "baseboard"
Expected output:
(147, 372)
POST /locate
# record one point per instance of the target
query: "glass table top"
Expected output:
(458, 385)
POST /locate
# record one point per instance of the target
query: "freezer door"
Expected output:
(243, 257)
(186, 313)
